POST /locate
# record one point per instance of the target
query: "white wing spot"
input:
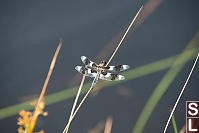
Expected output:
(83, 58)
(125, 67)
(78, 68)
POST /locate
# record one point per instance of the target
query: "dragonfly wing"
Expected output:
(88, 62)
(103, 75)
(118, 68)
(111, 76)
(90, 72)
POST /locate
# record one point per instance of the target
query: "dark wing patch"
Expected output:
(87, 61)
(94, 65)
(103, 72)
(118, 68)
(113, 76)
(106, 67)
(93, 71)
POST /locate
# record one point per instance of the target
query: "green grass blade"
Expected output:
(164, 84)
(174, 124)
(49, 99)
(71, 92)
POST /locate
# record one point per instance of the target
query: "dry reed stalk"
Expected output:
(132, 22)
(96, 78)
(148, 9)
(98, 128)
(108, 125)
(92, 86)
(76, 99)
(183, 129)
(40, 103)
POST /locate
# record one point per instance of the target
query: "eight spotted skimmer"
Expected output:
(105, 72)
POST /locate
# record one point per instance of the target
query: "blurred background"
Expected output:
(30, 32)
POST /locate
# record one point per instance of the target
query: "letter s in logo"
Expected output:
(193, 107)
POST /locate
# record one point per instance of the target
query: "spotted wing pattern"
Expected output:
(88, 62)
(111, 76)
(103, 75)
(118, 68)
(90, 72)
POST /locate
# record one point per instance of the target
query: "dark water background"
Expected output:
(30, 32)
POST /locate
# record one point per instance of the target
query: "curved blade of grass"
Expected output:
(164, 84)
(174, 124)
(71, 92)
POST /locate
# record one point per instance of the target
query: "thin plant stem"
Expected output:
(35, 115)
(96, 78)
(76, 99)
(132, 22)
(66, 94)
(165, 129)
(92, 86)
(165, 82)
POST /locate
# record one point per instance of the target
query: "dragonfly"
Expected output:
(103, 71)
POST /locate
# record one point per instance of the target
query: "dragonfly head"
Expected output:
(103, 63)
